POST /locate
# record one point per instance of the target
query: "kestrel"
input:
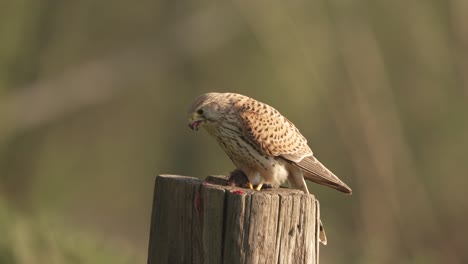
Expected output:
(261, 142)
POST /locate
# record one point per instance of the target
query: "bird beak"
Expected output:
(194, 125)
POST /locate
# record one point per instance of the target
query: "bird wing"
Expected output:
(276, 136)
(317, 172)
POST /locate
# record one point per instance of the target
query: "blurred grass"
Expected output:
(93, 98)
(43, 239)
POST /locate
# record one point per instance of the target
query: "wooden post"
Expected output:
(194, 221)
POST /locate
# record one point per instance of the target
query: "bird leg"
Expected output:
(249, 184)
(259, 186)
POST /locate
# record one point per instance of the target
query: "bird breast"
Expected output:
(258, 166)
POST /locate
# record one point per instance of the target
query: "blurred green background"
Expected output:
(93, 101)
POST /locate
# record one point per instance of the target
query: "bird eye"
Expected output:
(200, 111)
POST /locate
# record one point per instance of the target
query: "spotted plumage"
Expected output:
(262, 143)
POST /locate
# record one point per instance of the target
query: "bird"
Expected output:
(260, 141)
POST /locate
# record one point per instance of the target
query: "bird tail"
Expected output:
(316, 172)
(322, 234)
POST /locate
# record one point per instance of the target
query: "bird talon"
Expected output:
(259, 187)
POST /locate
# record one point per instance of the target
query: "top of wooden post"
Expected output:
(205, 221)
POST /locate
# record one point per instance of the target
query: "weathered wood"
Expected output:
(202, 222)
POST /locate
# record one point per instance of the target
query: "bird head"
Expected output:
(205, 110)
(198, 118)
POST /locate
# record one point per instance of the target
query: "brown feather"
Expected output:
(317, 172)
